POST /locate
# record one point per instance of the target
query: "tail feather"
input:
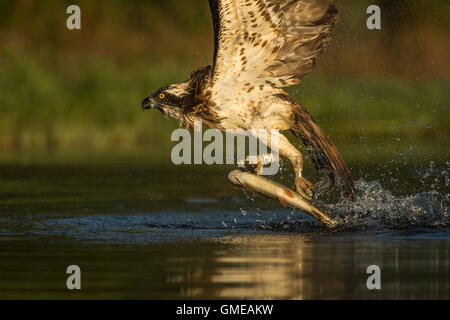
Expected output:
(324, 154)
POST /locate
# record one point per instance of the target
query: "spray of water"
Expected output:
(377, 207)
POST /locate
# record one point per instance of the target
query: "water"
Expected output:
(142, 232)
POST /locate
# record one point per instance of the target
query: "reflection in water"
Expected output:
(291, 267)
(243, 266)
(251, 268)
(138, 235)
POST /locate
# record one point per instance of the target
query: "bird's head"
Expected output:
(176, 100)
(170, 100)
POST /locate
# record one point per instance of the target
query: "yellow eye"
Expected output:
(162, 96)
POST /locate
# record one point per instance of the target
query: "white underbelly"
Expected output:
(264, 115)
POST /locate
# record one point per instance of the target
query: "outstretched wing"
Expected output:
(273, 42)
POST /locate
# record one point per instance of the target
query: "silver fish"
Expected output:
(286, 196)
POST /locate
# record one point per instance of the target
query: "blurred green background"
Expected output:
(77, 94)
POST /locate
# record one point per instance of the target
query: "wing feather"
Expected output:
(272, 42)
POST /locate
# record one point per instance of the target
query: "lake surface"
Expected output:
(142, 232)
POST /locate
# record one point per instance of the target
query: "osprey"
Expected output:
(262, 46)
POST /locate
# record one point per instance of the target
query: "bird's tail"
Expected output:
(324, 154)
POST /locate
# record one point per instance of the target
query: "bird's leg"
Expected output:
(255, 164)
(286, 149)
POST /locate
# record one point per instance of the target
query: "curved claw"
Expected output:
(255, 168)
(304, 187)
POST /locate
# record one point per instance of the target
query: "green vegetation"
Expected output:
(77, 93)
(98, 109)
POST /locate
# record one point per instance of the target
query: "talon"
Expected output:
(304, 187)
(252, 168)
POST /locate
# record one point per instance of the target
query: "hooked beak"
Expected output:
(148, 103)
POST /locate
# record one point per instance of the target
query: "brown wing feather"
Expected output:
(307, 26)
(272, 42)
(323, 152)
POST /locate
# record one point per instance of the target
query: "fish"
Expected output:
(286, 196)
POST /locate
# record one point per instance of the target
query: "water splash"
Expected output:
(378, 207)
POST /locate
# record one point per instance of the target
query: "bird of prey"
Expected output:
(262, 46)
